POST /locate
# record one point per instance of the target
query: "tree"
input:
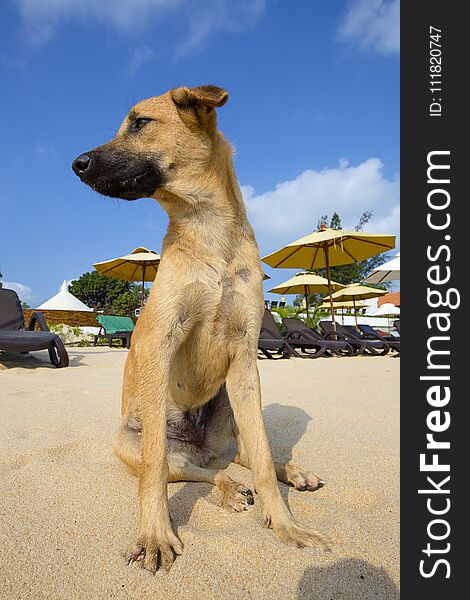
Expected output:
(127, 302)
(345, 274)
(107, 293)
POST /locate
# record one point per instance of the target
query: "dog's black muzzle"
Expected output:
(119, 174)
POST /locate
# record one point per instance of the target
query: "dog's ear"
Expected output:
(208, 95)
(202, 100)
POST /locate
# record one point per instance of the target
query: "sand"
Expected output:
(69, 509)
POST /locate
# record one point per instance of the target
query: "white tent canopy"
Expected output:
(64, 300)
(389, 271)
(387, 309)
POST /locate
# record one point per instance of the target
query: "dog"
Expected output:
(191, 380)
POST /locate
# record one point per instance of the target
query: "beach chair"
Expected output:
(357, 334)
(274, 303)
(303, 338)
(396, 324)
(270, 341)
(369, 333)
(374, 347)
(115, 328)
(14, 337)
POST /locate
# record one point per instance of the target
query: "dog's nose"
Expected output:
(81, 164)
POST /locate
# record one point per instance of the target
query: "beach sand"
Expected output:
(69, 507)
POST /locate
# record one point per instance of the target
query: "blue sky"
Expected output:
(313, 114)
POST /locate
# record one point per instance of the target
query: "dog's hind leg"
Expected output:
(126, 446)
(287, 473)
(230, 494)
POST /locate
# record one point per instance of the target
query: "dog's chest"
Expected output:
(199, 369)
(190, 426)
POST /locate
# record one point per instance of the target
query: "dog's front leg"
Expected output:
(157, 544)
(244, 392)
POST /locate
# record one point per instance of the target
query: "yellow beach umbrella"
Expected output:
(140, 265)
(327, 248)
(355, 292)
(342, 306)
(306, 284)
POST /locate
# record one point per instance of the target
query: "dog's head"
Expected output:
(161, 140)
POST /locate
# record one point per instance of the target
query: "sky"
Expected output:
(313, 115)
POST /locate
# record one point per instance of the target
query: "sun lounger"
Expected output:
(369, 333)
(374, 347)
(329, 334)
(115, 328)
(303, 338)
(15, 338)
(270, 341)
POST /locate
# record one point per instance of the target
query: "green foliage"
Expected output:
(98, 291)
(72, 335)
(61, 328)
(287, 312)
(58, 329)
(314, 315)
(345, 274)
(107, 293)
(128, 301)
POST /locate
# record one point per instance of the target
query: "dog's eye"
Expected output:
(140, 123)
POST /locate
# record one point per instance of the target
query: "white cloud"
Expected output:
(44, 150)
(43, 18)
(138, 57)
(373, 25)
(293, 208)
(24, 292)
(219, 15)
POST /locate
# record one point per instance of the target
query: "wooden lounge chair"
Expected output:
(303, 338)
(374, 347)
(14, 337)
(369, 333)
(270, 341)
(115, 328)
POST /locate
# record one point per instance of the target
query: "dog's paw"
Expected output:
(155, 551)
(234, 496)
(303, 480)
(294, 534)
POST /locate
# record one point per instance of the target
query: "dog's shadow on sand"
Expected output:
(349, 578)
(285, 425)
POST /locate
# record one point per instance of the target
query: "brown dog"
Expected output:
(191, 380)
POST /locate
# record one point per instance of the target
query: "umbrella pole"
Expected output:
(143, 289)
(306, 304)
(355, 313)
(328, 275)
